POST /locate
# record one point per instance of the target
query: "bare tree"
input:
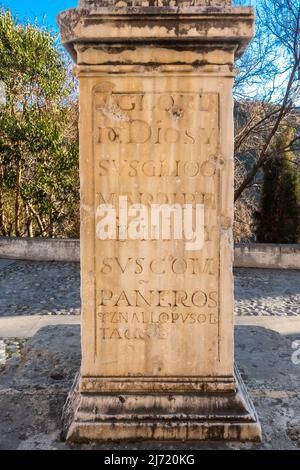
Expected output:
(267, 89)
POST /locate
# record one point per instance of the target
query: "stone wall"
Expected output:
(261, 255)
(245, 255)
(39, 249)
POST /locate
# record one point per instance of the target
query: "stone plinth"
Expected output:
(156, 146)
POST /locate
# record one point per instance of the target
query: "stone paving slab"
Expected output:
(53, 288)
(33, 390)
(27, 326)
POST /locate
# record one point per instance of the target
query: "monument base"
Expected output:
(223, 414)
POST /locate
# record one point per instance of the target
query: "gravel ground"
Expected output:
(53, 288)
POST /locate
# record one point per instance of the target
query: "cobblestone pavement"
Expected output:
(267, 292)
(39, 288)
(52, 288)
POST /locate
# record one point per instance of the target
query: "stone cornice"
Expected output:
(197, 27)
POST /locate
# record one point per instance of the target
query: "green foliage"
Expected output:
(279, 218)
(38, 134)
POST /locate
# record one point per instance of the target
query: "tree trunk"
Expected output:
(2, 225)
(28, 222)
(17, 198)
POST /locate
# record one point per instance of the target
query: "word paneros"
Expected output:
(157, 298)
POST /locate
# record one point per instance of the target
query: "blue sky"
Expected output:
(31, 9)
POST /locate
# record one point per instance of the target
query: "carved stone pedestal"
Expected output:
(194, 412)
(156, 167)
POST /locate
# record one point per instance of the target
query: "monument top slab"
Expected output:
(96, 4)
(197, 22)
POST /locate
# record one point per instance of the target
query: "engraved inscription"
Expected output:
(156, 148)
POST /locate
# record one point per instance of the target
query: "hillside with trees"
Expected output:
(39, 182)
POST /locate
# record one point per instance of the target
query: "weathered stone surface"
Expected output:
(118, 24)
(205, 415)
(156, 129)
(262, 255)
(95, 4)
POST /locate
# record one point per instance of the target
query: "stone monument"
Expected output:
(156, 169)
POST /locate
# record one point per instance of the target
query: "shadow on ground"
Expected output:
(33, 391)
